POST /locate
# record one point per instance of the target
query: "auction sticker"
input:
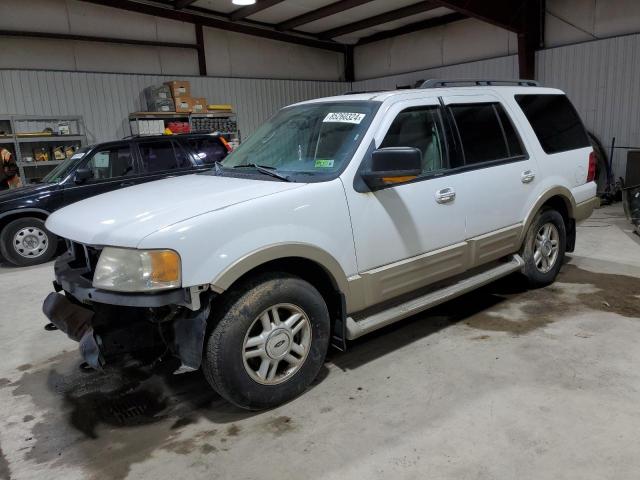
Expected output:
(344, 117)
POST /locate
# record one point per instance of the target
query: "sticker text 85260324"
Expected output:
(344, 117)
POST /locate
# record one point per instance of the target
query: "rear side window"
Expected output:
(486, 133)
(162, 155)
(554, 121)
(208, 150)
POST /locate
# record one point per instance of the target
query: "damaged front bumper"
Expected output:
(113, 328)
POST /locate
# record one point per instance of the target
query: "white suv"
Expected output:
(337, 217)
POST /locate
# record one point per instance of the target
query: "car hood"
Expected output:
(124, 217)
(25, 192)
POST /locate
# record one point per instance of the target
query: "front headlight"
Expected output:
(129, 270)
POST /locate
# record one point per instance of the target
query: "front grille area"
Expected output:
(83, 257)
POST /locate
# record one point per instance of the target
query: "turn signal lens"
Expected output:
(402, 179)
(591, 173)
(165, 266)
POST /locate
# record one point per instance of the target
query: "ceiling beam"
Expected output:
(93, 38)
(413, 27)
(217, 22)
(249, 10)
(379, 19)
(501, 13)
(180, 4)
(326, 11)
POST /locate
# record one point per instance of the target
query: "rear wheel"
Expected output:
(544, 248)
(270, 342)
(26, 241)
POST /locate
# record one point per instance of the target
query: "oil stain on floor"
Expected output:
(107, 422)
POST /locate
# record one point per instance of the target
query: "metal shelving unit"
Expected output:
(197, 122)
(24, 133)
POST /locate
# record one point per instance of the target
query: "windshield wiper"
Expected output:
(265, 170)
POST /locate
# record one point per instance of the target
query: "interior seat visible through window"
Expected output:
(418, 127)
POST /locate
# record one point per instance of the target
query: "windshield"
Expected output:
(63, 169)
(315, 139)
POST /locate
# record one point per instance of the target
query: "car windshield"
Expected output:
(316, 139)
(63, 169)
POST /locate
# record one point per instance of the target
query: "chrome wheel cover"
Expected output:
(30, 242)
(277, 344)
(546, 247)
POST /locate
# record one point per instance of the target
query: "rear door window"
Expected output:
(486, 133)
(162, 156)
(554, 121)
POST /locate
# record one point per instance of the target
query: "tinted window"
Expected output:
(514, 145)
(110, 163)
(482, 134)
(208, 150)
(419, 127)
(554, 121)
(162, 155)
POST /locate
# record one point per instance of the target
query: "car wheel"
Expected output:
(544, 248)
(270, 342)
(26, 241)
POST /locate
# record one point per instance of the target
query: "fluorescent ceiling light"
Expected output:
(243, 2)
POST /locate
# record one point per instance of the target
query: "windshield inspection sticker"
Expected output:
(344, 117)
(324, 163)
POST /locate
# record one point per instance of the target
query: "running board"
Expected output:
(378, 320)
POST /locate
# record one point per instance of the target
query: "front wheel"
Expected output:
(270, 342)
(26, 241)
(544, 248)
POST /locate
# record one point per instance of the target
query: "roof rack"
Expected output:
(436, 83)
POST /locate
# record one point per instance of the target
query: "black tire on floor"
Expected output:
(239, 318)
(11, 248)
(533, 269)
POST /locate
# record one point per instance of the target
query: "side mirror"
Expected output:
(82, 175)
(393, 165)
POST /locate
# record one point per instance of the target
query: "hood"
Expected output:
(124, 217)
(26, 191)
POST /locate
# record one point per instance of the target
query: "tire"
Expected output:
(240, 342)
(26, 241)
(541, 264)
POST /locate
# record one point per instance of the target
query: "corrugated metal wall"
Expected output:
(602, 78)
(503, 67)
(105, 100)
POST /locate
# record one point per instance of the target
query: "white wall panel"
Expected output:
(463, 41)
(239, 55)
(18, 52)
(571, 21)
(105, 100)
(504, 67)
(228, 53)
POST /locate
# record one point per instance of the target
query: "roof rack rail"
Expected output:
(358, 92)
(437, 83)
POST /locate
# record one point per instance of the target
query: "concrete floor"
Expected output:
(500, 384)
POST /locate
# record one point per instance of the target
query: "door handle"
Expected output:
(527, 176)
(445, 195)
(127, 184)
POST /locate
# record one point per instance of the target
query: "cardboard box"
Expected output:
(184, 104)
(199, 105)
(179, 88)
